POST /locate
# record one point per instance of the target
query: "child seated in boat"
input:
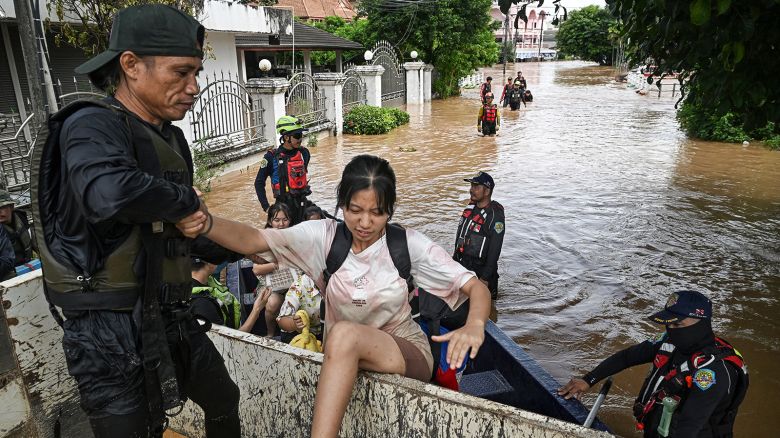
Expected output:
(368, 319)
(269, 275)
(302, 295)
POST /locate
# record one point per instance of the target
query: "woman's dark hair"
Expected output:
(274, 210)
(312, 210)
(368, 172)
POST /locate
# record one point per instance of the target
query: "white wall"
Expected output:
(221, 59)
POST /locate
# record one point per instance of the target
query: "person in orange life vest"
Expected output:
(481, 232)
(485, 88)
(506, 93)
(704, 374)
(287, 166)
(488, 120)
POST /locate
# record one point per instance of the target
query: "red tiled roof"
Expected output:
(319, 9)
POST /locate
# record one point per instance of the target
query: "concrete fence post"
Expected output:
(414, 82)
(331, 85)
(427, 84)
(372, 77)
(270, 93)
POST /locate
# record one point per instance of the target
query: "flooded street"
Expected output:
(609, 208)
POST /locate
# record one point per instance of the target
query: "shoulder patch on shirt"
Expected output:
(704, 378)
(499, 227)
(263, 163)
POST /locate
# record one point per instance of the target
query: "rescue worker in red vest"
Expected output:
(696, 380)
(111, 178)
(481, 232)
(18, 229)
(488, 119)
(287, 166)
(485, 88)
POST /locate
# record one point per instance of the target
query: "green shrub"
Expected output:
(773, 142)
(372, 120)
(207, 167)
(401, 117)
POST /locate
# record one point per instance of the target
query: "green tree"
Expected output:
(86, 24)
(724, 51)
(586, 35)
(357, 30)
(456, 36)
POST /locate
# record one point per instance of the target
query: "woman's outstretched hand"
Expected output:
(191, 226)
(468, 337)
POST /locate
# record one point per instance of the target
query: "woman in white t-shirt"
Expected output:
(368, 318)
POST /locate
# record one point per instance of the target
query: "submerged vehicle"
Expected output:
(278, 383)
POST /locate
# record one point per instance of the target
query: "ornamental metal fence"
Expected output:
(225, 119)
(306, 102)
(394, 76)
(353, 91)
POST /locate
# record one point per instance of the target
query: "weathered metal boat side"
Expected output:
(277, 383)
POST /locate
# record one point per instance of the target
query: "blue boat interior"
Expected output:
(502, 372)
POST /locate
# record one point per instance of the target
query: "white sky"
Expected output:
(577, 4)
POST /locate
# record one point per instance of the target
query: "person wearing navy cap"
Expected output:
(111, 180)
(696, 381)
(481, 232)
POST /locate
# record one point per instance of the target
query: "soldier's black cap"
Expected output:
(155, 30)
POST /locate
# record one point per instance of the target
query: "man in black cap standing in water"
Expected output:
(481, 232)
(696, 381)
(108, 186)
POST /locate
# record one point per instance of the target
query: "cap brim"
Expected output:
(96, 62)
(7, 203)
(665, 317)
(470, 181)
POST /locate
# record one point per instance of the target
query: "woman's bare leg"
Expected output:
(350, 347)
(272, 308)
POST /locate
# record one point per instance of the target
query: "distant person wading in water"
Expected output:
(368, 318)
(488, 120)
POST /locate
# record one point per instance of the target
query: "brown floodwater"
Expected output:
(609, 208)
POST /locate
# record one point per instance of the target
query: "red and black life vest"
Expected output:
(489, 113)
(292, 175)
(667, 380)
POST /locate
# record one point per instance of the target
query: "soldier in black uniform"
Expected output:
(112, 179)
(17, 227)
(481, 232)
(700, 377)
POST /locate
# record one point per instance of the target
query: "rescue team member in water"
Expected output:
(213, 302)
(481, 232)
(368, 321)
(287, 165)
(112, 179)
(488, 119)
(700, 377)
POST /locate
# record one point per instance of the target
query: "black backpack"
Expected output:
(426, 307)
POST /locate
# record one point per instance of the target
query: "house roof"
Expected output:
(306, 37)
(319, 9)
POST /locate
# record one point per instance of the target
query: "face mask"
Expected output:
(688, 338)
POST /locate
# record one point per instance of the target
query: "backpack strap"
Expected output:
(342, 242)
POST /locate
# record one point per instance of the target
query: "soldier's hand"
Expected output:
(193, 224)
(575, 388)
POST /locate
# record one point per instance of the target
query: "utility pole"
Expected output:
(541, 36)
(506, 35)
(32, 63)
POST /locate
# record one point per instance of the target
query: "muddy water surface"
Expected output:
(609, 208)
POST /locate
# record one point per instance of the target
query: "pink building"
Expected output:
(537, 31)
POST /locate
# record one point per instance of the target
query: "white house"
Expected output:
(224, 21)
